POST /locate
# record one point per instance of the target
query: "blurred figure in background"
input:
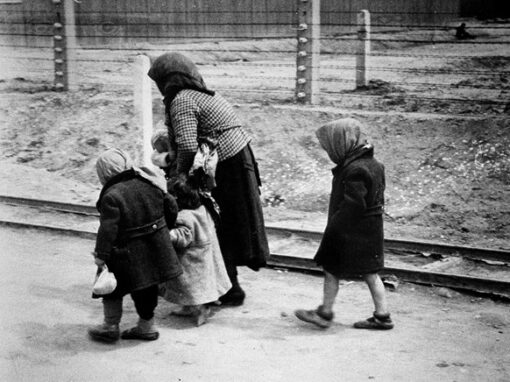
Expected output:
(462, 34)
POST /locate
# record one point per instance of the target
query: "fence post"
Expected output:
(71, 44)
(64, 44)
(308, 51)
(59, 47)
(143, 105)
(363, 51)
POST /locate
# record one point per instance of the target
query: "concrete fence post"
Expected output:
(59, 47)
(64, 45)
(363, 51)
(308, 51)
(143, 105)
(72, 45)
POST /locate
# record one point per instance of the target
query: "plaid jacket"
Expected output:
(193, 114)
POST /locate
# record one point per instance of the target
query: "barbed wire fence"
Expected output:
(409, 66)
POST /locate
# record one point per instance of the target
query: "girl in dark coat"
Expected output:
(352, 244)
(133, 241)
(195, 113)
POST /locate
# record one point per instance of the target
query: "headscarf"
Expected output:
(153, 178)
(112, 162)
(174, 72)
(342, 139)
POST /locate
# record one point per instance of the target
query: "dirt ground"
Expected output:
(448, 180)
(448, 177)
(45, 317)
(447, 162)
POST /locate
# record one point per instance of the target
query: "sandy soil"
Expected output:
(447, 162)
(45, 317)
(448, 179)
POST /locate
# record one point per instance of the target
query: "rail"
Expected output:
(399, 249)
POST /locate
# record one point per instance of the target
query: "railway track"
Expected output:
(481, 270)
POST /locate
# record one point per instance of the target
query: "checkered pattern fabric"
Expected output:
(193, 114)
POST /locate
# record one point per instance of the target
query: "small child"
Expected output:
(203, 169)
(353, 239)
(205, 278)
(164, 152)
(133, 241)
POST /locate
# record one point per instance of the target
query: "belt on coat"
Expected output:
(374, 210)
(143, 230)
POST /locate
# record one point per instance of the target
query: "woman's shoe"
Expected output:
(317, 317)
(104, 333)
(376, 322)
(234, 297)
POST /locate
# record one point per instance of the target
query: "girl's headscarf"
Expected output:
(112, 162)
(342, 139)
(174, 72)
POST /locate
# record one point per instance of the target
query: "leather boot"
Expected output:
(104, 332)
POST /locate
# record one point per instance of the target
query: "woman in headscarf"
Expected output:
(352, 244)
(134, 243)
(196, 113)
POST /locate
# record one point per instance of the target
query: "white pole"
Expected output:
(143, 105)
(363, 52)
(315, 50)
(71, 44)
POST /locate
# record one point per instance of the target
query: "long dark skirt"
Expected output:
(241, 231)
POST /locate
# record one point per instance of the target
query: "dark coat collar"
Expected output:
(124, 175)
(369, 152)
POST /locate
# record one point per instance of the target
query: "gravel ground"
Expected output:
(439, 335)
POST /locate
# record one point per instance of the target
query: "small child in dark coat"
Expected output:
(352, 244)
(133, 241)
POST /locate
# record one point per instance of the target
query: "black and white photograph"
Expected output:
(255, 190)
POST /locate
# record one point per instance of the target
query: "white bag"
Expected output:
(105, 282)
(205, 163)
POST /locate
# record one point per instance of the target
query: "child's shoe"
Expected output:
(144, 331)
(376, 322)
(201, 315)
(317, 317)
(184, 311)
(105, 333)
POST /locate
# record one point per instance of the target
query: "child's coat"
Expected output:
(353, 239)
(133, 236)
(204, 277)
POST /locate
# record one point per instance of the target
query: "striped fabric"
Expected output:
(194, 114)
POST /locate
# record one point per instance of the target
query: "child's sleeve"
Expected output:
(170, 210)
(182, 234)
(108, 227)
